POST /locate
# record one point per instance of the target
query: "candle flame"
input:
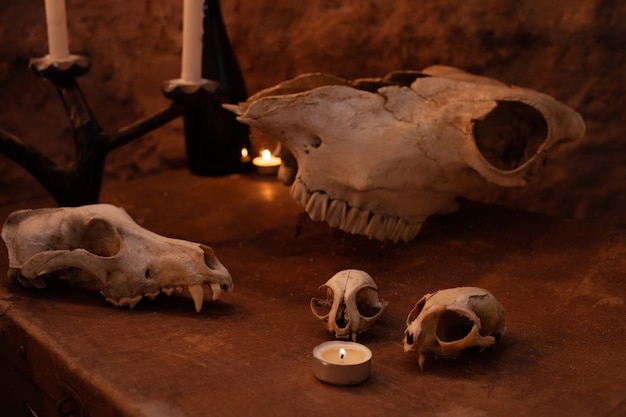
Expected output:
(266, 154)
(244, 152)
(342, 353)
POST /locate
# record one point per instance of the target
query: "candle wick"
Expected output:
(342, 354)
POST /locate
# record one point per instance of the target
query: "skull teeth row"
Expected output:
(196, 291)
(338, 213)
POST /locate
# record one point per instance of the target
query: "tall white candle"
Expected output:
(193, 14)
(56, 22)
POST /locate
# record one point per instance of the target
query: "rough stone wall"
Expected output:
(574, 50)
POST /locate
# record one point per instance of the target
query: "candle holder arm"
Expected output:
(182, 97)
(134, 130)
(87, 132)
(73, 186)
(42, 168)
(80, 183)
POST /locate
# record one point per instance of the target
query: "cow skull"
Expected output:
(101, 247)
(376, 157)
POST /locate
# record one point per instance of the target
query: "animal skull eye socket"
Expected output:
(321, 306)
(510, 134)
(409, 338)
(453, 326)
(416, 311)
(100, 238)
(367, 302)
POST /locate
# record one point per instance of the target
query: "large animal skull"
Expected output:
(376, 157)
(351, 305)
(101, 247)
(445, 323)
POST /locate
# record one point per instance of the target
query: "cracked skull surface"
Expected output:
(445, 323)
(101, 247)
(376, 157)
(351, 305)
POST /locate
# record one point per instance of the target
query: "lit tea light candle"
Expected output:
(245, 155)
(266, 164)
(342, 363)
(56, 24)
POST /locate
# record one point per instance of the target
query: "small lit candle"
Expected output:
(245, 155)
(193, 15)
(56, 22)
(266, 164)
(342, 363)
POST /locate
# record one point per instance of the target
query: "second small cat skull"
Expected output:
(351, 305)
(444, 323)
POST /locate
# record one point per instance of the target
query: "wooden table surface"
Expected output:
(249, 354)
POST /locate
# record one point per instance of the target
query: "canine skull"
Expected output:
(376, 157)
(352, 297)
(449, 321)
(100, 247)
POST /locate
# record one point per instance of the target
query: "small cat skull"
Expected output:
(352, 296)
(101, 247)
(444, 323)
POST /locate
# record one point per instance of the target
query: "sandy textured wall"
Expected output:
(574, 50)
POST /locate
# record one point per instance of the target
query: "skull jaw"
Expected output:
(356, 326)
(357, 218)
(337, 322)
(120, 286)
(448, 350)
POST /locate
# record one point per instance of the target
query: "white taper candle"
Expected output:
(56, 21)
(193, 15)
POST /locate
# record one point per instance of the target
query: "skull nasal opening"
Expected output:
(510, 135)
(408, 337)
(453, 326)
(210, 259)
(341, 318)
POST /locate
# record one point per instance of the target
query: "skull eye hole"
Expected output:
(453, 326)
(100, 238)
(416, 311)
(409, 338)
(321, 306)
(510, 134)
(367, 302)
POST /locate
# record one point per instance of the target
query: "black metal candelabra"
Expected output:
(80, 183)
(213, 137)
